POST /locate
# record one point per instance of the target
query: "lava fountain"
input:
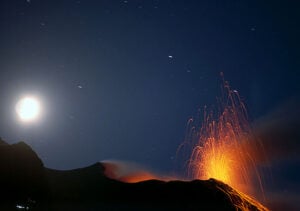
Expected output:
(224, 147)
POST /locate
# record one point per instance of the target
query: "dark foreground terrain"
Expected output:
(27, 185)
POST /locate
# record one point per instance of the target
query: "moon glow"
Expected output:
(28, 109)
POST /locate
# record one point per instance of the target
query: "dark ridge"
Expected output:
(22, 173)
(26, 182)
(2, 142)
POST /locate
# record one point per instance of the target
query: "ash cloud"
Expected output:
(284, 201)
(279, 132)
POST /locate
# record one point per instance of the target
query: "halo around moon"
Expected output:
(28, 109)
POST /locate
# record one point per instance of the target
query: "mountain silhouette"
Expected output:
(26, 184)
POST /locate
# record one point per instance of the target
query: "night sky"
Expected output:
(119, 79)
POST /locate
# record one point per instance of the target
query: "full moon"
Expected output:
(28, 109)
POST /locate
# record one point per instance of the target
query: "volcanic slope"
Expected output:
(26, 183)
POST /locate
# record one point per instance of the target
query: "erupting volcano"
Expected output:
(224, 147)
(223, 151)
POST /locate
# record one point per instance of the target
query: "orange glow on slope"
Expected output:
(138, 177)
(129, 172)
(224, 147)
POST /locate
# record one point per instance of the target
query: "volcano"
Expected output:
(27, 184)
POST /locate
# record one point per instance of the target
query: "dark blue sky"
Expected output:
(119, 79)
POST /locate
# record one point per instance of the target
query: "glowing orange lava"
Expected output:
(223, 147)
